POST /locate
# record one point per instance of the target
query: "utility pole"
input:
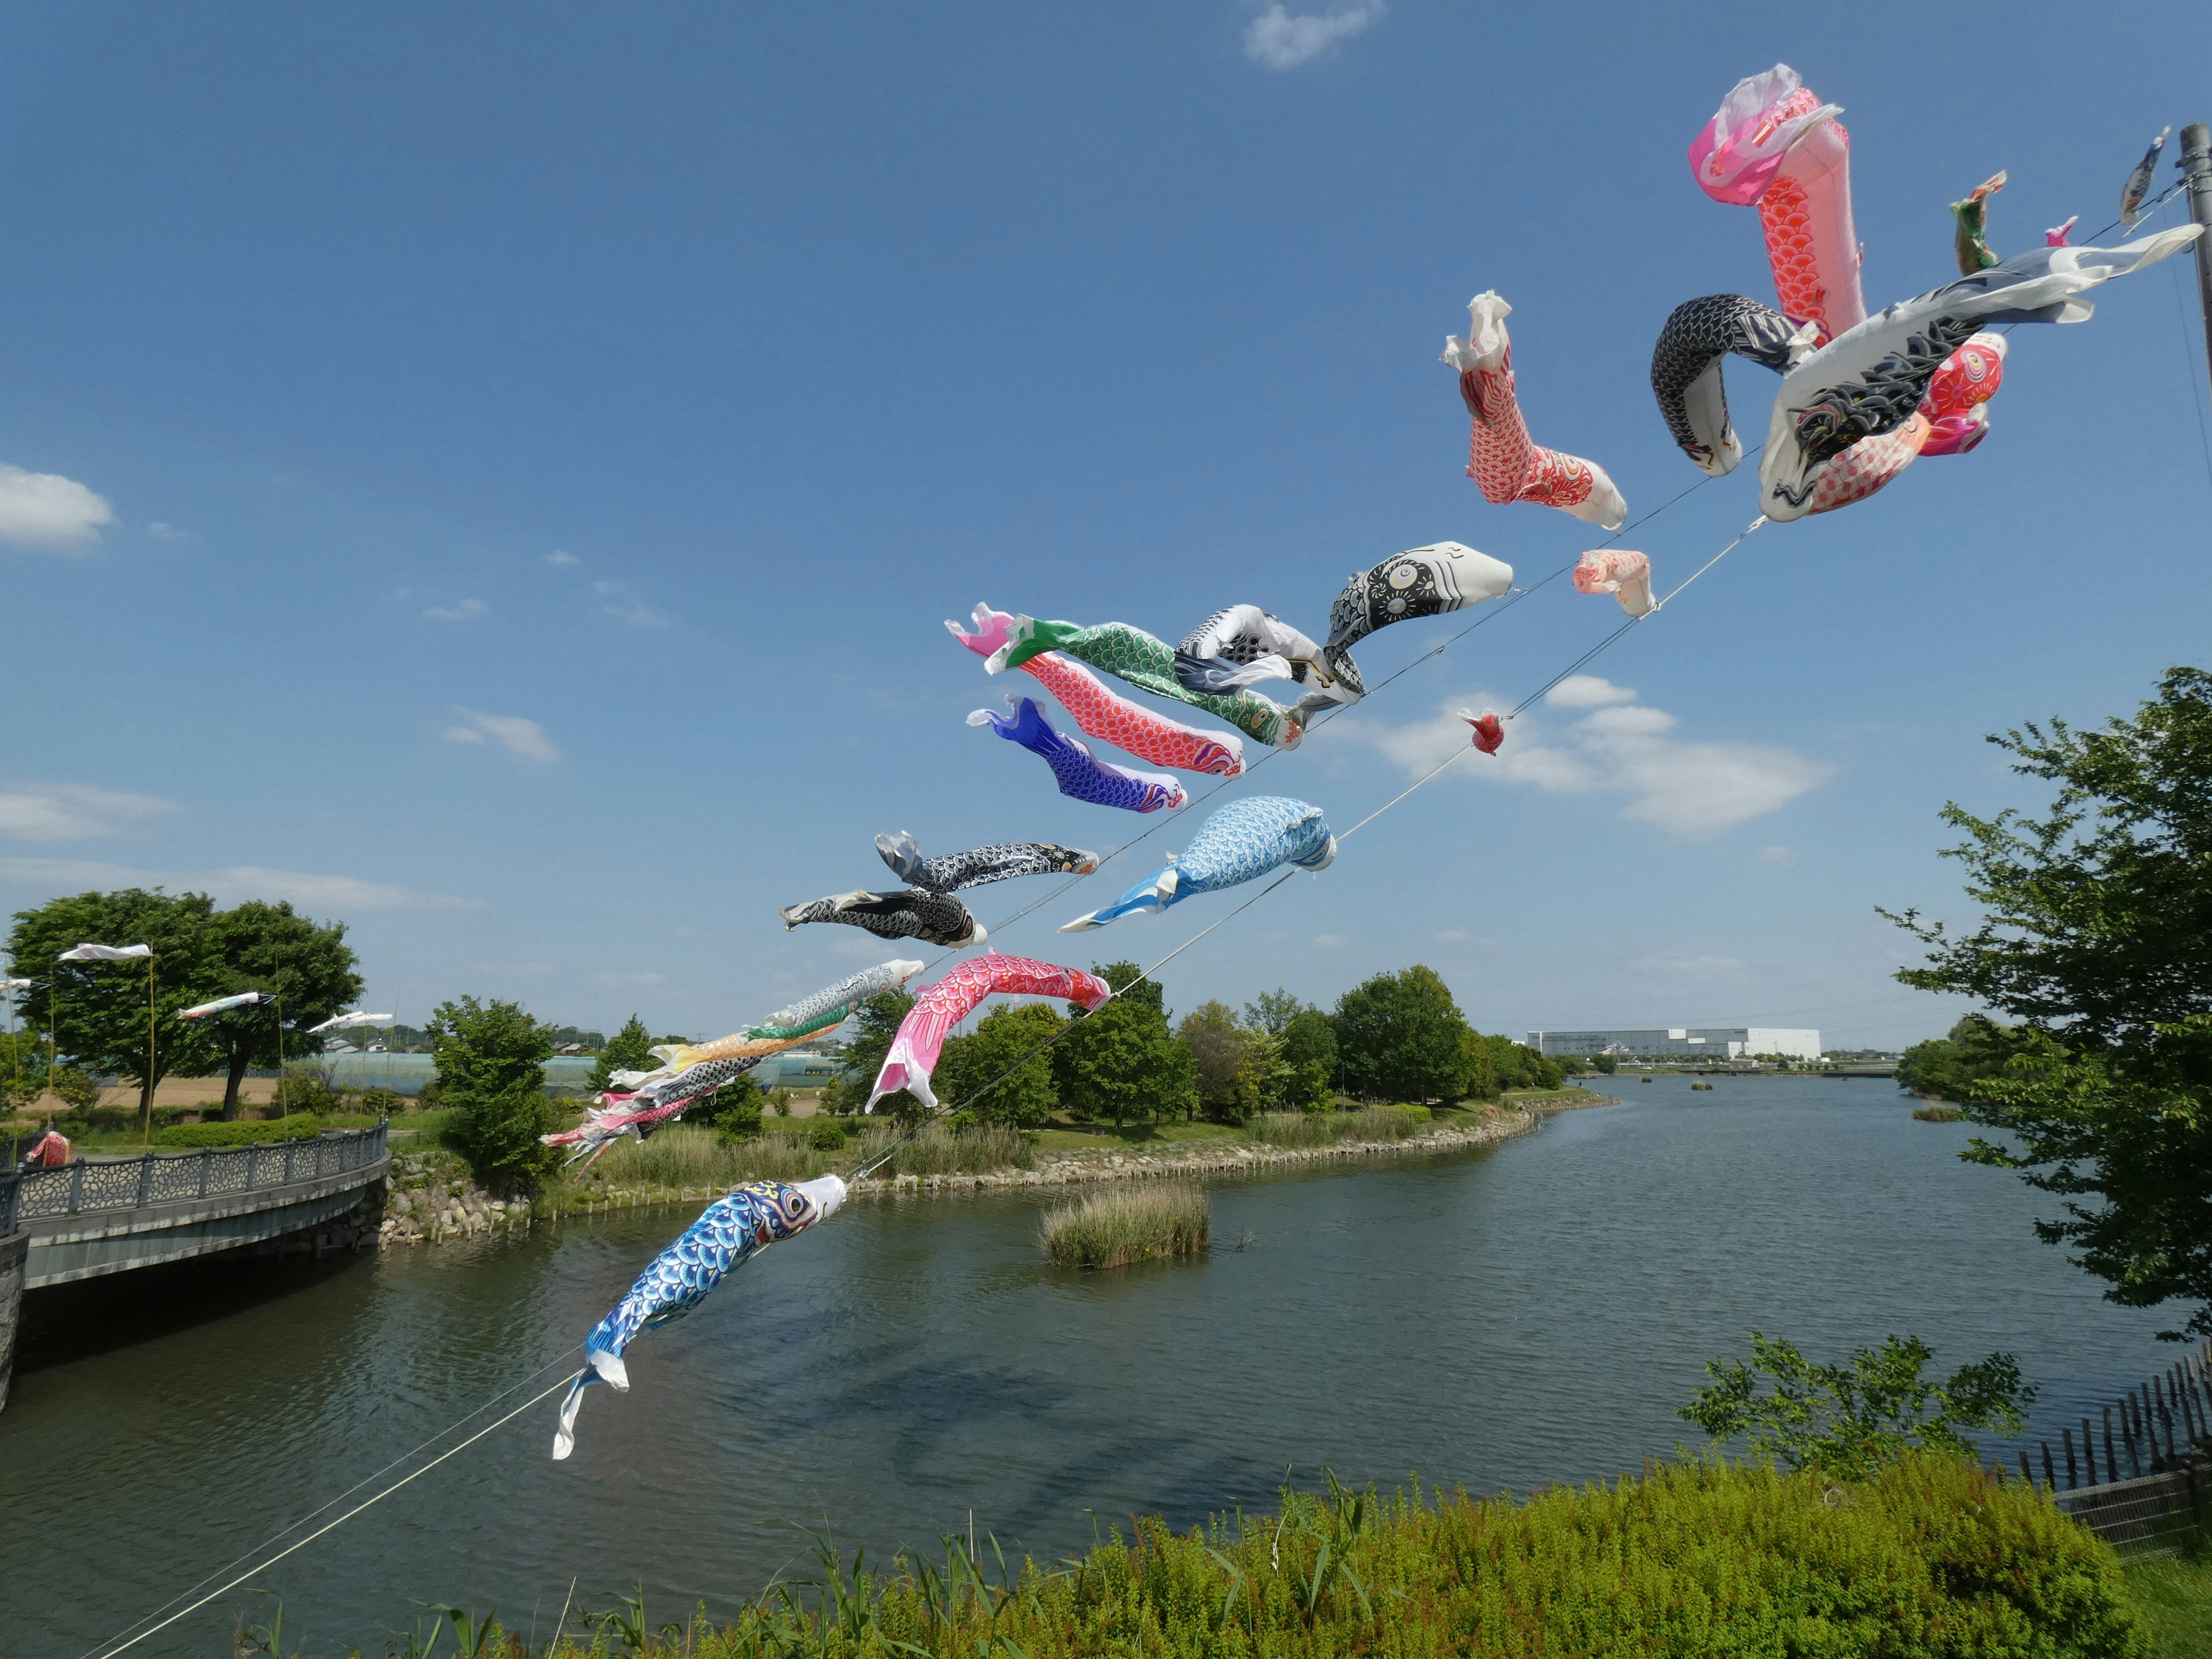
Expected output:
(2197, 168)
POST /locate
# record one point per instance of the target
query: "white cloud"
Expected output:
(1690, 790)
(170, 533)
(1586, 691)
(45, 510)
(466, 610)
(1281, 39)
(626, 609)
(616, 982)
(1330, 941)
(1776, 855)
(562, 556)
(1454, 936)
(1677, 965)
(511, 733)
(71, 812)
(326, 896)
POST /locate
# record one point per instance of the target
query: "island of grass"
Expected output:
(1127, 1225)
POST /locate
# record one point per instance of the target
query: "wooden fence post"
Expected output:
(2026, 1474)
(2049, 1479)
(2110, 1461)
(2073, 1476)
(2089, 1451)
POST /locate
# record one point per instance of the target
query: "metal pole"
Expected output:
(146, 1124)
(2196, 167)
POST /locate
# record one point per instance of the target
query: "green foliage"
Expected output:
(1398, 1036)
(1327, 1128)
(1948, 1068)
(875, 1023)
(631, 1050)
(23, 1069)
(248, 1132)
(77, 1089)
(491, 1076)
(1608, 1064)
(827, 1135)
(1271, 1012)
(270, 948)
(1126, 1225)
(1227, 1061)
(1123, 1061)
(1851, 1419)
(968, 1074)
(778, 1102)
(1930, 1558)
(735, 1111)
(2096, 937)
(302, 1090)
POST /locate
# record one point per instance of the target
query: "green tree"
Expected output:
(735, 1111)
(631, 1050)
(1271, 1012)
(255, 946)
(1224, 1062)
(1123, 1061)
(1398, 1036)
(22, 1068)
(1608, 1064)
(1947, 1067)
(100, 1008)
(876, 1022)
(2096, 937)
(1309, 1058)
(968, 1075)
(491, 1075)
(1848, 1420)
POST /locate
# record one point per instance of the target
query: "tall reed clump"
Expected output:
(1329, 1129)
(1114, 1228)
(1928, 1558)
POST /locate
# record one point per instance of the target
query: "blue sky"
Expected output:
(534, 447)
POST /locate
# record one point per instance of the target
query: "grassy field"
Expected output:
(2173, 1600)
(1127, 1225)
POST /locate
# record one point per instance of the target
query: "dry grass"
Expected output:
(1129, 1223)
(685, 1155)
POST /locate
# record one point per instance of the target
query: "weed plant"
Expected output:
(1929, 1557)
(681, 1155)
(1327, 1128)
(1123, 1224)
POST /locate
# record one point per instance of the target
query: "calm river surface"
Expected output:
(1501, 1319)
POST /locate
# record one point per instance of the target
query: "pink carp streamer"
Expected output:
(1506, 464)
(1620, 572)
(1101, 714)
(1489, 729)
(1957, 403)
(914, 1051)
(1773, 144)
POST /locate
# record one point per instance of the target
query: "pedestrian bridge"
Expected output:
(105, 1216)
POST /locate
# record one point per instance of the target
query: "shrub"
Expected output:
(491, 1076)
(304, 1092)
(826, 1135)
(78, 1090)
(778, 1102)
(379, 1103)
(1125, 1225)
(735, 1111)
(244, 1132)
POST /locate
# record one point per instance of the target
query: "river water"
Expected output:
(1526, 1314)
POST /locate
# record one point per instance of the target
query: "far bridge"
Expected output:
(100, 1216)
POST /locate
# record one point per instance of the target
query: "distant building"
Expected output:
(1683, 1042)
(794, 1068)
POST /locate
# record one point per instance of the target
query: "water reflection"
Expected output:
(1497, 1320)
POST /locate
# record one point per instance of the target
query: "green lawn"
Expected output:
(2174, 1600)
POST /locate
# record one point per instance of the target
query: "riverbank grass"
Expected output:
(1127, 1225)
(2173, 1600)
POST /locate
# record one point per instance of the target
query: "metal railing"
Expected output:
(84, 1187)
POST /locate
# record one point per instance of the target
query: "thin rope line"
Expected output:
(331, 1502)
(110, 1653)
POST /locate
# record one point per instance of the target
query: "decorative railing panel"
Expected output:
(159, 1178)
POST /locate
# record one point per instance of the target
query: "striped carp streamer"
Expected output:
(1870, 382)
(1620, 572)
(1773, 145)
(1242, 645)
(1101, 714)
(1685, 369)
(243, 999)
(2138, 185)
(914, 1051)
(1241, 843)
(1131, 654)
(910, 913)
(1001, 861)
(1081, 775)
(733, 1229)
(1502, 459)
(1422, 581)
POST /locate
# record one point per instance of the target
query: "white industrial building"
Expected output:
(1683, 1042)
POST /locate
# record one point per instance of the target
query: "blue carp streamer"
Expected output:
(1078, 773)
(737, 1226)
(1244, 840)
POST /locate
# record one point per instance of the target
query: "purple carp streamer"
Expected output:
(735, 1227)
(1079, 773)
